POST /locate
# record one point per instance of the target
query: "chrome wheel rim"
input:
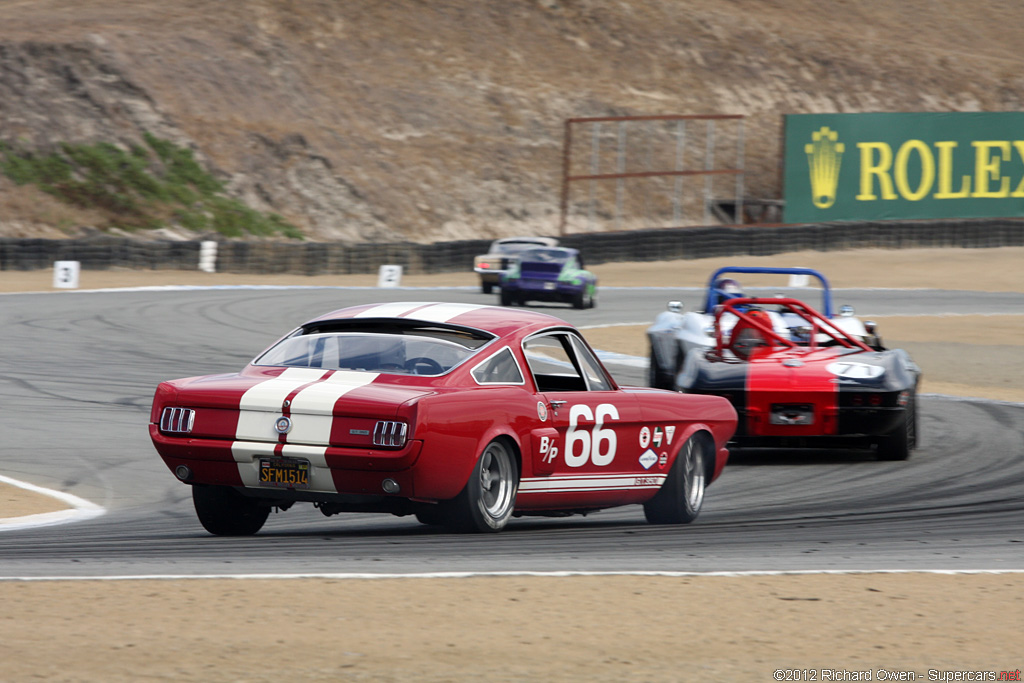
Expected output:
(693, 475)
(497, 488)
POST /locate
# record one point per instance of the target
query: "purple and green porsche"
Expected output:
(549, 274)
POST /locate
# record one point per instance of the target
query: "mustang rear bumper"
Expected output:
(332, 470)
(538, 290)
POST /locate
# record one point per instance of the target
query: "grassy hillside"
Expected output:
(444, 119)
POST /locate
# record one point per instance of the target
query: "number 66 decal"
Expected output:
(582, 444)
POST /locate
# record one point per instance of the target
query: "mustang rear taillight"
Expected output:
(389, 434)
(177, 420)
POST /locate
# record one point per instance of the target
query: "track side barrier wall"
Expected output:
(658, 244)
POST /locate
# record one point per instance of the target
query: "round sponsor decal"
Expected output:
(542, 411)
(645, 437)
(854, 370)
(283, 425)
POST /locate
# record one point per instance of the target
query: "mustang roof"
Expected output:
(495, 319)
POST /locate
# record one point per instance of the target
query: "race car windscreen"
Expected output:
(402, 354)
(545, 256)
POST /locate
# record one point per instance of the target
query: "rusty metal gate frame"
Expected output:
(678, 173)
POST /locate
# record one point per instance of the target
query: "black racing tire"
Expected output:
(506, 298)
(431, 515)
(592, 299)
(579, 299)
(898, 445)
(486, 503)
(223, 511)
(681, 496)
(486, 287)
(658, 377)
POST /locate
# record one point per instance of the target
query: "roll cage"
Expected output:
(712, 294)
(753, 328)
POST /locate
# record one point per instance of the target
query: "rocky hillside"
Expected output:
(443, 119)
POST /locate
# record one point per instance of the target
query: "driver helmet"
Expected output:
(727, 288)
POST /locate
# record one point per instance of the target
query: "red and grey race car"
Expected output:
(815, 384)
(460, 414)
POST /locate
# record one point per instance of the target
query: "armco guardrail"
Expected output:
(320, 258)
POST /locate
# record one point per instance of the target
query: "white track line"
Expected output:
(468, 575)
(81, 509)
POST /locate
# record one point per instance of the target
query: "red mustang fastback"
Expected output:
(462, 415)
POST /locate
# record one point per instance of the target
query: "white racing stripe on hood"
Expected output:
(312, 409)
(260, 406)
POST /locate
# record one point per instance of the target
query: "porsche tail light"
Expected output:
(177, 420)
(389, 434)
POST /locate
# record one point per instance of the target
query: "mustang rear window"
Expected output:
(403, 354)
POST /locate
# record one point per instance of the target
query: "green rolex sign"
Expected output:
(845, 167)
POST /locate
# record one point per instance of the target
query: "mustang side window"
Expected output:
(597, 380)
(501, 368)
(550, 357)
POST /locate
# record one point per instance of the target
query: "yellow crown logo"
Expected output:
(824, 155)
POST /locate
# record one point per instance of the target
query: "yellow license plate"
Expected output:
(291, 473)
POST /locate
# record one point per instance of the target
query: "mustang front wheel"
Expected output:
(225, 512)
(680, 498)
(489, 497)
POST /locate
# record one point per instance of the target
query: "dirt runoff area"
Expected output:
(635, 628)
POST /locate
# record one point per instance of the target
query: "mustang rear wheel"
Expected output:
(680, 498)
(489, 497)
(225, 512)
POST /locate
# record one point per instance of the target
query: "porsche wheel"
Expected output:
(225, 512)
(897, 446)
(489, 497)
(680, 498)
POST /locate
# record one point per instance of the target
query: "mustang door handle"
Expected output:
(555, 405)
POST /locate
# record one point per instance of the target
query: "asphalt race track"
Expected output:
(78, 372)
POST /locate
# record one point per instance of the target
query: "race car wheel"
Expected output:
(507, 299)
(680, 498)
(897, 446)
(489, 497)
(430, 515)
(579, 300)
(659, 377)
(486, 287)
(225, 512)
